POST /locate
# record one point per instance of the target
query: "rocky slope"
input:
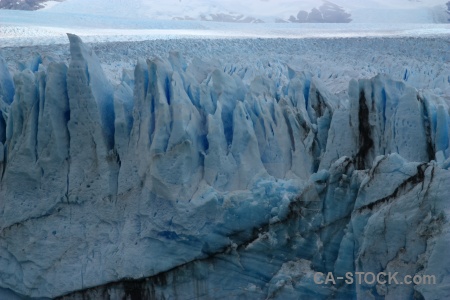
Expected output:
(24, 4)
(328, 12)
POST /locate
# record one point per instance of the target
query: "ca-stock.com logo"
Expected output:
(371, 278)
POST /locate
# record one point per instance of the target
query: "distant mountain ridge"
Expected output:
(327, 13)
(24, 4)
(251, 11)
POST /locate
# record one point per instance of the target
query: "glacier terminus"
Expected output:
(185, 178)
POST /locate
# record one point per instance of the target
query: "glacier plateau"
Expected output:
(188, 180)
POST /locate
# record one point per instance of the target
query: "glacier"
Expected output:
(188, 180)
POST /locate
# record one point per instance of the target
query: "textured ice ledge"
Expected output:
(182, 163)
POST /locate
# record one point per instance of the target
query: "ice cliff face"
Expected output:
(185, 181)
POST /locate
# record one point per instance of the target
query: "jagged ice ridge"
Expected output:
(185, 181)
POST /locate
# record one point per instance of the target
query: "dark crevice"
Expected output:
(316, 151)
(133, 289)
(418, 295)
(290, 131)
(5, 160)
(167, 89)
(427, 126)
(153, 117)
(227, 120)
(68, 158)
(2, 129)
(306, 92)
(320, 106)
(383, 101)
(118, 160)
(406, 75)
(365, 133)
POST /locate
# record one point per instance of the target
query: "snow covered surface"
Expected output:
(422, 62)
(121, 21)
(334, 52)
(26, 35)
(227, 174)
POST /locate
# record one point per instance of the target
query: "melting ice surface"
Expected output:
(189, 180)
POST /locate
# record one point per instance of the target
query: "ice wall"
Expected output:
(182, 182)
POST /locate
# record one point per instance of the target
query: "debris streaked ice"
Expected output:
(195, 177)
